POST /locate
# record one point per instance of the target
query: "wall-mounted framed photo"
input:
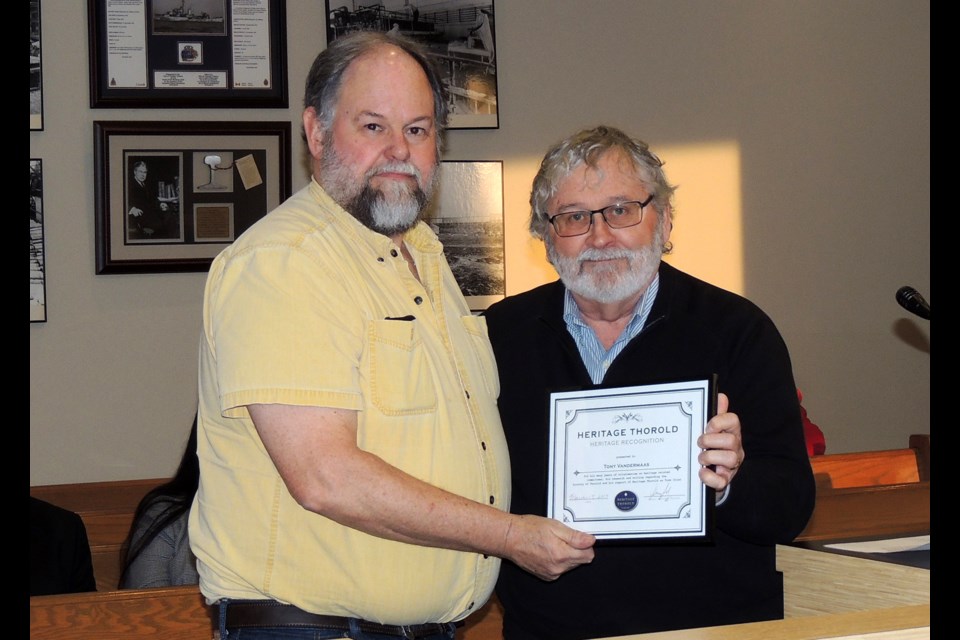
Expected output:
(36, 75)
(38, 267)
(467, 216)
(187, 53)
(461, 35)
(169, 196)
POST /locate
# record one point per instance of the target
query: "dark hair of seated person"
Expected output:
(177, 496)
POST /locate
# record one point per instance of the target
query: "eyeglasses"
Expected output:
(617, 216)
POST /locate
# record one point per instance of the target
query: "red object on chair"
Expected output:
(816, 443)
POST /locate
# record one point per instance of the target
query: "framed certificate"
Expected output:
(197, 54)
(623, 461)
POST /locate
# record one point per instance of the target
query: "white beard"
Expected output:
(610, 282)
(397, 204)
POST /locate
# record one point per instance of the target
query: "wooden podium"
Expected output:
(831, 595)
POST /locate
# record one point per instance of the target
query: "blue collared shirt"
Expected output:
(595, 357)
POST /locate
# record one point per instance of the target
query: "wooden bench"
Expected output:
(169, 612)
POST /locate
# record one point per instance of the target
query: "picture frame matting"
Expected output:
(203, 184)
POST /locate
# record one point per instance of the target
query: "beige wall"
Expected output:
(799, 133)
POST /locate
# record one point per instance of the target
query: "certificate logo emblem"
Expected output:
(625, 500)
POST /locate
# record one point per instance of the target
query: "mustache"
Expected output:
(396, 167)
(611, 253)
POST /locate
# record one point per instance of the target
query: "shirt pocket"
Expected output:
(401, 379)
(476, 328)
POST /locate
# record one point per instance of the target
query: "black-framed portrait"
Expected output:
(169, 196)
(460, 35)
(38, 267)
(187, 54)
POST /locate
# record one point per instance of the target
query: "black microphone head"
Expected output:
(911, 300)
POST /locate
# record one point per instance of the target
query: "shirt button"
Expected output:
(418, 300)
(393, 253)
(484, 445)
(491, 499)
(379, 259)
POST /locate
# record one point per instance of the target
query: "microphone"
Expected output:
(911, 300)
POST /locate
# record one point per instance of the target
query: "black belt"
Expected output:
(269, 613)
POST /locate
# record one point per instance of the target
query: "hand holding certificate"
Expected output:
(623, 462)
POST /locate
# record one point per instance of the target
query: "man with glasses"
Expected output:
(620, 317)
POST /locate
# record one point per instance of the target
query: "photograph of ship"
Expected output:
(36, 96)
(467, 215)
(38, 296)
(460, 33)
(189, 16)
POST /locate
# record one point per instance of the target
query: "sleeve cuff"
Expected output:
(721, 497)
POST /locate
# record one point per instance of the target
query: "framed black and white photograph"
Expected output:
(187, 53)
(461, 34)
(151, 197)
(38, 279)
(36, 75)
(169, 196)
(467, 216)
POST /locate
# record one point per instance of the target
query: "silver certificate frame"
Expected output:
(623, 461)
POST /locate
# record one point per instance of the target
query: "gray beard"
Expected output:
(391, 210)
(609, 283)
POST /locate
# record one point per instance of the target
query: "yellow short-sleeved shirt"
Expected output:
(309, 307)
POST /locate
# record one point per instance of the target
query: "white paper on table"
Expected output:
(890, 545)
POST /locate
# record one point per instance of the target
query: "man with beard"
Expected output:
(148, 217)
(354, 478)
(620, 317)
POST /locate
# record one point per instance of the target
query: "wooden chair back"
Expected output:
(166, 612)
(872, 493)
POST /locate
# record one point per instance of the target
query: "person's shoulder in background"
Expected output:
(60, 559)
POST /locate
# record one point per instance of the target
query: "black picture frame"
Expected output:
(36, 69)
(159, 54)
(38, 266)
(466, 213)
(206, 183)
(462, 39)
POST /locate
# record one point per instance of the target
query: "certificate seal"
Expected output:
(625, 500)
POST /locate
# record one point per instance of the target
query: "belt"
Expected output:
(269, 613)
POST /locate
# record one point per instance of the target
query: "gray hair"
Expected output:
(322, 90)
(587, 147)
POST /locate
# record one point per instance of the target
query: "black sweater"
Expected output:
(694, 330)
